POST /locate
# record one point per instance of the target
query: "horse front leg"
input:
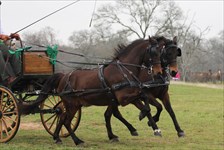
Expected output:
(118, 115)
(159, 108)
(143, 108)
(169, 109)
(113, 109)
(146, 109)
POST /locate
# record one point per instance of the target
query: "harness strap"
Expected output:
(137, 81)
(122, 72)
(104, 85)
(101, 77)
(68, 83)
(131, 73)
(120, 85)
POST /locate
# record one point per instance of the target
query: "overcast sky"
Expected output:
(15, 15)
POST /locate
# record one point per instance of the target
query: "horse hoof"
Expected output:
(79, 142)
(82, 144)
(114, 140)
(58, 142)
(181, 134)
(134, 133)
(157, 132)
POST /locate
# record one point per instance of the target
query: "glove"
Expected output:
(16, 36)
(4, 37)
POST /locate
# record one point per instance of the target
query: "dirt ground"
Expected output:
(31, 126)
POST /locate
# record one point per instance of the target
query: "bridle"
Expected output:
(151, 51)
(164, 58)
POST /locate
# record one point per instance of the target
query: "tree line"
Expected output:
(124, 21)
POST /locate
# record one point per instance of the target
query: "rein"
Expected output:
(97, 64)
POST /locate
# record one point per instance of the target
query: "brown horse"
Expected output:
(116, 81)
(168, 59)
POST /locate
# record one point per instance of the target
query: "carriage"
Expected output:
(32, 92)
(35, 70)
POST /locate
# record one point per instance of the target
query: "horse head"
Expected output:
(169, 55)
(141, 52)
(152, 56)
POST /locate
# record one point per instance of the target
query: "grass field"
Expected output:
(199, 111)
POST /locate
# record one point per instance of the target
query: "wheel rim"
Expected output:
(9, 115)
(50, 120)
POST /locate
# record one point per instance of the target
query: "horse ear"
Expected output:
(150, 39)
(175, 39)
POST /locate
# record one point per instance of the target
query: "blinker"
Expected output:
(179, 52)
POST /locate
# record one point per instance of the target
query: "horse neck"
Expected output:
(136, 55)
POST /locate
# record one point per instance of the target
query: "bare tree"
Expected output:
(46, 36)
(133, 16)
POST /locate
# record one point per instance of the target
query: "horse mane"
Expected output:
(123, 49)
(160, 38)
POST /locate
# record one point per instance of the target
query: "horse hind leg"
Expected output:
(68, 120)
(58, 128)
(107, 116)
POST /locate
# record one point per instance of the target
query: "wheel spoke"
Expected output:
(47, 106)
(51, 101)
(7, 107)
(4, 104)
(1, 131)
(53, 122)
(49, 118)
(55, 100)
(10, 113)
(6, 127)
(10, 119)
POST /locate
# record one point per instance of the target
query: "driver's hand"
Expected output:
(16, 36)
(4, 37)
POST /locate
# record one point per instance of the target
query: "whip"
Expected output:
(46, 16)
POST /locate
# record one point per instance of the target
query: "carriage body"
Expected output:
(35, 70)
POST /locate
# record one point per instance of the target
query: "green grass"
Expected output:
(199, 111)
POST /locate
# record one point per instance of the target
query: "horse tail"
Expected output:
(51, 84)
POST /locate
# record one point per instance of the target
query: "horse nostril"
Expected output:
(173, 73)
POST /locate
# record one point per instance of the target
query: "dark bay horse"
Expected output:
(168, 59)
(113, 84)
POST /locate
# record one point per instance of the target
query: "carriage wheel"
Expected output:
(50, 119)
(9, 115)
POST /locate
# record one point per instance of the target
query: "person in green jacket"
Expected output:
(9, 64)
